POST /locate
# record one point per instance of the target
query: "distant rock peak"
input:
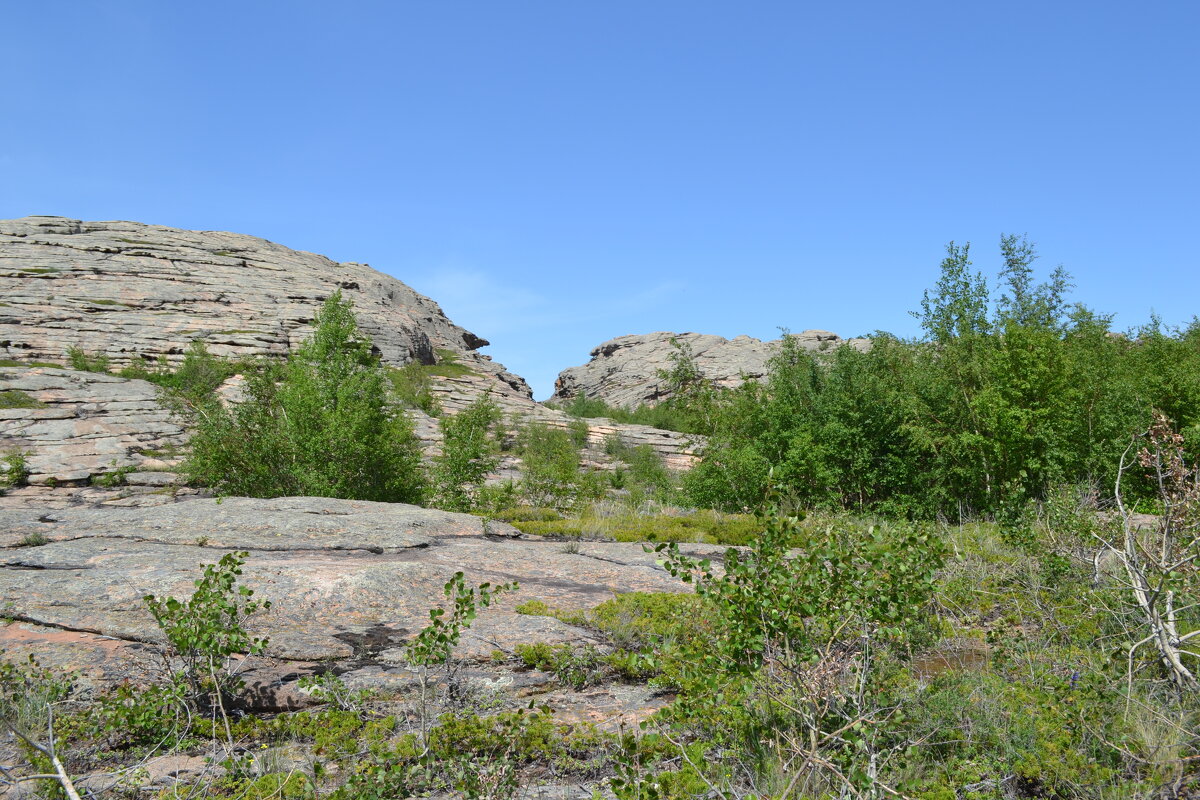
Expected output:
(625, 371)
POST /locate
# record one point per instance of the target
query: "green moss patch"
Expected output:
(15, 398)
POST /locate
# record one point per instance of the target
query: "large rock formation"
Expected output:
(626, 371)
(136, 292)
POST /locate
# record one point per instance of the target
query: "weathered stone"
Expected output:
(625, 372)
(350, 581)
(90, 424)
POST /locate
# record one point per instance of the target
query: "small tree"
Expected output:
(468, 455)
(321, 425)
(1162, 566)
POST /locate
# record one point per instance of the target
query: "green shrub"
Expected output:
(191, 385)
(700, 526)
(413, 387)
(527, 514)
(665, 415)
(577, 667)
(87, 362)
(550, 473)
(208, 629)
(14, 469)
(322, 427)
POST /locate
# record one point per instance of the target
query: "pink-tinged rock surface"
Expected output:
(350, 582)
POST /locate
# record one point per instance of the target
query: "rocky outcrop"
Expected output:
(625, 372)
(86, 426)
(349, 582)
(137, 292)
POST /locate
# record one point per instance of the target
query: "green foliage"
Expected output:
(9, 362)
(578, 430)
(1010, 392)
(208, 629)
(132, 716)
(475, 757)
(34, 539)
(550, 473)
(468, 455)
(112, 478)
(83, 361)
(577, 667)
(413, 387)
(413, 383)
(15, 398)
(437, 640)
(329, 688)
(664, 415)
(527, 514)
(792, 580)
(321, 427)
(27, 691)
(193, 383)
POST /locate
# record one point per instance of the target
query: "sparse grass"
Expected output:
(712, 527)
(8, 362)
(15, 398)
(135, 241)
(37, 271)
(448, 365)
(35, 539)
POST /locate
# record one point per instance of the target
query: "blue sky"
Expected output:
(558, 173)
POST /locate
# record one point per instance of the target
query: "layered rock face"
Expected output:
(86, 424)
(135, 292)
(625, 371)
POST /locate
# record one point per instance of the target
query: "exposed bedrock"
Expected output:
(349, 582)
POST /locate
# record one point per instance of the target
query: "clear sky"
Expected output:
(557, 173)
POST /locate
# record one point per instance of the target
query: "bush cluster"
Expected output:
(1008, 393)
(318, 425)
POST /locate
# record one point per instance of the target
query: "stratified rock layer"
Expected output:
(85, 424)
(625, 372)
(136, 292)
